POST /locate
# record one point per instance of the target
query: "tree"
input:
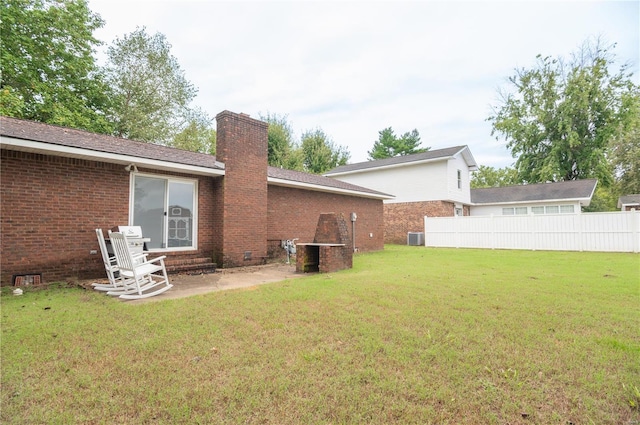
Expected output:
(152, 96)
(625, 149)
(48, 72)
(282, 150)
(197, 135)
(560, 118)
(388, 145)
(320, 154)
(494, 177)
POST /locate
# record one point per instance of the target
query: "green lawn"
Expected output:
(409, 335)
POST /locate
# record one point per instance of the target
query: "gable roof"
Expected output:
(629, 200)
(574, 190)
(31, 136)
(403, 160)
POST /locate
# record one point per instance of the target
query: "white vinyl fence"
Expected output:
(614, 231)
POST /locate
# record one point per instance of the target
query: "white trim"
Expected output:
(385, 167)
(80, 153)
(309, 186)
(533, 201)
(468, 158)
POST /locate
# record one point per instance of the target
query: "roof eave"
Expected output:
(384, 167)
(327, 189)
(91, 155)
(583, 201)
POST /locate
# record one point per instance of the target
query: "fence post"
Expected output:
(425, 230)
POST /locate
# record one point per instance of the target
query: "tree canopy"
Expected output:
(197, 135)
(560, 116)
(486, 176)
(282, 149)
(48, 71)
(151, 93)
(625, 148)
(389, 145)
(319, 152)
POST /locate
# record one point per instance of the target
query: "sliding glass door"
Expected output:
(165, 209)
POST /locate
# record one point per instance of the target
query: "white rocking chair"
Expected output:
(141, 279)
(110, 266)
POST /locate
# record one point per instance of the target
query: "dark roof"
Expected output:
(317, 180)
(628, 200)
(69, 137)
(424, 156)
(574, 189)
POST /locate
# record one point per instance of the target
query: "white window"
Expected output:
(551, 209)
(537, 210)
(459, 179)
(165, 208)
(458, 212)
(521, 210)
(566, 209)
(507, 211)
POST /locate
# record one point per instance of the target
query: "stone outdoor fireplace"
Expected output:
(331, 248)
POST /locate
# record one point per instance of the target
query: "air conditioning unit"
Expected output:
(415, 238)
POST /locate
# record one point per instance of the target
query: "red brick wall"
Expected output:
(401, 218)
(241, 144)
(294, 213)
(52, 205)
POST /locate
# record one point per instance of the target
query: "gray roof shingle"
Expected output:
(314, 179)
(628, 200)
(70, 137)
(574, 189)
(396, 160)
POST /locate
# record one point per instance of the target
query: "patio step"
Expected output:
(190, 265)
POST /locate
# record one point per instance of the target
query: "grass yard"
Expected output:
(409, 335)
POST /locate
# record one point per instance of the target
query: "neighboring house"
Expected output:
(432, 183)
(436, 183)
(58, 184)
(567, 197)
(629, 202)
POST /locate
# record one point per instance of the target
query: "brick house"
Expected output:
(435, 183)
(59, 184)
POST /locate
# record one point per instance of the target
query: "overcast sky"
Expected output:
(354, 68)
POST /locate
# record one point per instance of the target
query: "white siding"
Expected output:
(409, 183)
(454, 193)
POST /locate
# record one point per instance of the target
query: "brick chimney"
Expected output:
(241, 145)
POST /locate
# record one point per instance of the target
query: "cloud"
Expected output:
(354, 68)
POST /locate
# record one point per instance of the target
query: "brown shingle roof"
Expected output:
(574, 189)
(69, 137)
